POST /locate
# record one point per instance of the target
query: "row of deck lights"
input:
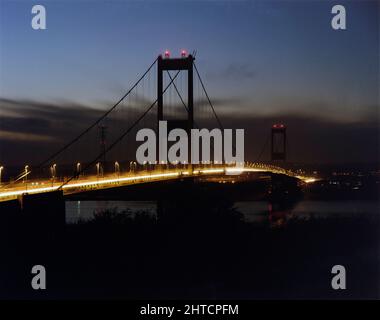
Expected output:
(99, 168)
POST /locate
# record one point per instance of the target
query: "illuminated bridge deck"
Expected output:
(89, 183)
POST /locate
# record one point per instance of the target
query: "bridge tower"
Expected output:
(185, 63)
(278, 142)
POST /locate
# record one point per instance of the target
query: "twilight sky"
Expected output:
(264, 61)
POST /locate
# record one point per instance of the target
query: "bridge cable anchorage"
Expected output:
(99, 119)
(120, 137)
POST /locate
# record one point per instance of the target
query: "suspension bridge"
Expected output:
(102, 156)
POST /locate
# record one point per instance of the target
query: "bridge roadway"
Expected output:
(88, 183)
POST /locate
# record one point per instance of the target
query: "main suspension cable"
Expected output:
(98, 120)
(120, 137)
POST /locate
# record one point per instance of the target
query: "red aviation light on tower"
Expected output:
(167, 54)
(183, 53)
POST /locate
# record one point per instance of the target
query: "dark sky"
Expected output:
(263, 62)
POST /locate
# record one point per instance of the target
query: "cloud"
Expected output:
(33, 130)
(301, 107)
(19, 136)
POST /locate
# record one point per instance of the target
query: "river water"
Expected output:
(253, 211)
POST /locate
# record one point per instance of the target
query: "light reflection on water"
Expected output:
(253, 211)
